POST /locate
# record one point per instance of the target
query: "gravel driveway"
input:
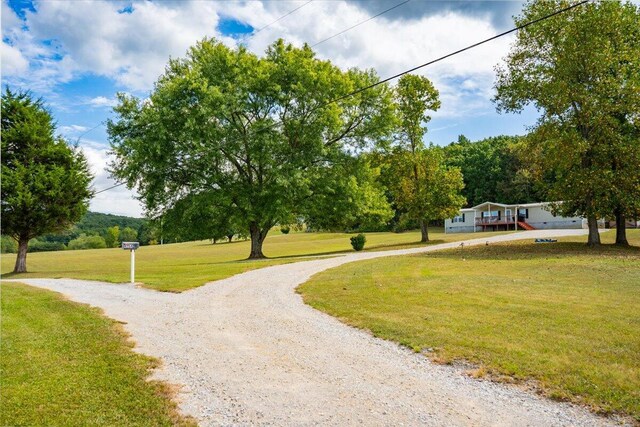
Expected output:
(248, 351)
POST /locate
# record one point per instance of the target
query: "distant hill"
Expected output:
(92, 224)
(96, 222)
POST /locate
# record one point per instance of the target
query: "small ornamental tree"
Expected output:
(45, 182)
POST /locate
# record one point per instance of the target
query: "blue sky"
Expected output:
(78, 54)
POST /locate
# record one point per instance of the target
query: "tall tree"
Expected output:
(259, 133)
(425, 188)
(581, 70)
(45, 182)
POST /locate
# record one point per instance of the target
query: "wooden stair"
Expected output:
(523, 225)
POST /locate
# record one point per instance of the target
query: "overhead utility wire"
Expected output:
(87, 131)
(282, 17)
(519, 27)
(525, 25)
(109, 188)
(78, 142)
(361, 22)
(251, 35)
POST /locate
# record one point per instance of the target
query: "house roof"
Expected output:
(502, 205)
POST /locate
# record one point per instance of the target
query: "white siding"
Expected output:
(460, 227)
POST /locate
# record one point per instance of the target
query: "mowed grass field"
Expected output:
(560, 316)
(181, 266)
(64, 364)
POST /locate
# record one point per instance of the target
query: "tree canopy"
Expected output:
(581, 70)
(45, 182)
(422, 186)
(259, 135)
(496, 169)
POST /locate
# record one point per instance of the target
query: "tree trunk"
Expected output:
(21, 260)
(594, 234)
(230, 237)
(257, 239)
(424, 229)
(621, 228)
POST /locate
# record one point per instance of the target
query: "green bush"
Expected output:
(285, 229)
(358, 242)
(8, 245)
(87, 242)
(36, 245)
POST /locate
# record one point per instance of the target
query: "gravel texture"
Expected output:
(247, 351)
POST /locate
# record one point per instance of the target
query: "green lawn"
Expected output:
(182, 266)
(560, 314)
(64, 364)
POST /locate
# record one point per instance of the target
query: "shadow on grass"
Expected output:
(518, 250)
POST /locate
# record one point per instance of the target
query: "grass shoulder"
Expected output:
(182, 266)
(63, 363)
(560, 315)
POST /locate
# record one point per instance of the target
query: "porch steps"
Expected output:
(523, 225)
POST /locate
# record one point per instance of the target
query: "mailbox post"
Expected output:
(132, 246)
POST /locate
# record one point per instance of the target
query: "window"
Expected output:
(523, 213)
(459, 218)
(492, 214)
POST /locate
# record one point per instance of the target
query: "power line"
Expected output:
(280, 18)
(519, 27)
(87, 131)
(371, 86)
(78, 142)
(251, 35)
(109, 188)
(361, 22)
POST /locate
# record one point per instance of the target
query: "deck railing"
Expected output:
(493, 220)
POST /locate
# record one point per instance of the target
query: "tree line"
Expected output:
(229, 141)
(94, 230)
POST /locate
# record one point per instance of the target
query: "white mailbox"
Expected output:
(132, 246)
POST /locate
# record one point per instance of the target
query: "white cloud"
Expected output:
(63, 40)
(133, 48)
(102, 101)
(13, 62)
(119, 200)
(72, 129)
(391, 47)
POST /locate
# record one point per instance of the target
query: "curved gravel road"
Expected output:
(248, 351)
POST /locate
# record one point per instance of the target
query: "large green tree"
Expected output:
(258, 134)
(45, 182)
(581, 70)
(423, 187)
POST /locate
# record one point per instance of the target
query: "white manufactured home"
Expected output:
(491, 216)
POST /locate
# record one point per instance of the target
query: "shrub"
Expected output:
(87, 242)
(358, 242)
(36, 245)
(8, 245)
(285, 229)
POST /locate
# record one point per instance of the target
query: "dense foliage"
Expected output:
(257, 134)
(421, 186)
(495, 169)
(45, 182)
(581, 70)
